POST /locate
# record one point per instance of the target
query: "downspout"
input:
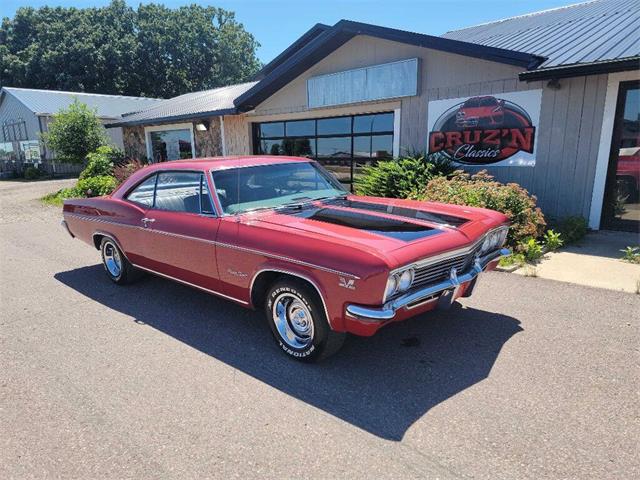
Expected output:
(222, 139)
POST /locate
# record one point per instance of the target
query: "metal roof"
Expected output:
(586, 33)
(218, 101)
(48, 102)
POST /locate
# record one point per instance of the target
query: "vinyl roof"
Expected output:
(218, 101)
(598, 31)
(48, 102)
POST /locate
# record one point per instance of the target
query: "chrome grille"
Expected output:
(439, 271)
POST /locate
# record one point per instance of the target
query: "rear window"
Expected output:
(143, 193)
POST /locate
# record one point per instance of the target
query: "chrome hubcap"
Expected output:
(293, 321)
(112, 259)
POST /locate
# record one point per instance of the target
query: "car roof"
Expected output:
(222, 163)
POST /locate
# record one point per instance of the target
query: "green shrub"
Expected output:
(513, 259)
(531, 249)
(75, 132)
(31, 173)
(56, 198)
(405, 177)
(96, 186)
(101, 162)
(572, 229)
(552, 240)
(481, 190)
(631, 254)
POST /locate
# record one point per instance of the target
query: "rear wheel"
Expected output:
(298, 322)
(118, 268)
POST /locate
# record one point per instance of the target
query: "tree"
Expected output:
(152, 51)
(74, 133)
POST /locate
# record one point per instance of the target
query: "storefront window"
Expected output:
(6, 151)
(621, 209)
(342, 144)
(30, 150)
(170, 144)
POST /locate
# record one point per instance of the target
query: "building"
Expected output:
(26, 113)
(548, 100)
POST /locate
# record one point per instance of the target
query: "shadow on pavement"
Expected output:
(382, 384)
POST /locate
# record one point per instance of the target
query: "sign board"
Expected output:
(496, 130)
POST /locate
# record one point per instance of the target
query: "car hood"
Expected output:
(399, 230)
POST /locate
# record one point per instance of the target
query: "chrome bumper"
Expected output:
(444, 292)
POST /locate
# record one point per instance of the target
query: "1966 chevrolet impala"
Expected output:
(280, 233)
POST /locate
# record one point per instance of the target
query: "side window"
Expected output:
(205, 198)
(178, 192)
(143, 193)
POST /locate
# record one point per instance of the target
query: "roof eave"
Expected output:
(582, 69)
(343, 31)
(173, 118)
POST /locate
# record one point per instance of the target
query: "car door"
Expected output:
(179, 229)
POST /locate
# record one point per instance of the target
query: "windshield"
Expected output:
(271, 186)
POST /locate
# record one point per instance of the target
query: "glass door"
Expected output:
(621, 208)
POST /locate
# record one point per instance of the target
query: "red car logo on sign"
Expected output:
(482, 130)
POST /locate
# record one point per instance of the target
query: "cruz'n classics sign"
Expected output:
(496, 130)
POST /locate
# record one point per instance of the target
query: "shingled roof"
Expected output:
(600, 34)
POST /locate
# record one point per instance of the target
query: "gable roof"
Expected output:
(596, 35)
(327, 40)
(48, 102)
(217, 101)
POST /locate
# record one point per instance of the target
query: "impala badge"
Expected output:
(350, 284)
(236, 273)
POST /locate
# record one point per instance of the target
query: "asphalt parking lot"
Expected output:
(527, 379)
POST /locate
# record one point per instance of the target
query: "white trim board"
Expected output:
(171, 126)
(604, 149)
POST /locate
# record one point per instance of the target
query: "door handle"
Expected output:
(147, 221)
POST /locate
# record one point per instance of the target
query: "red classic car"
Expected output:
(480, 111)
(280, 233)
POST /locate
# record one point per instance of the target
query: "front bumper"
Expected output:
(444, 292)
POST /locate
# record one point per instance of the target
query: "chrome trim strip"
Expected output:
(389, 309)
(191, 284)
(295, 274)
(226, 245)
(287, 259)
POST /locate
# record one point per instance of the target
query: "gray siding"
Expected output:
(12, 110)
(567, 143)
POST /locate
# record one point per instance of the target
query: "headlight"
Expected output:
(406, 279)
(392, 286)
(399, 282)
(493, 240)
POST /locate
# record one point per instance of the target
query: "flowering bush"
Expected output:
(481, 190)
(125, 170)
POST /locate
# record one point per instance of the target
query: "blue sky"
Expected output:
(277, 23)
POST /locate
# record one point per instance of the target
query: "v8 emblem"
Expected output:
(350, 284)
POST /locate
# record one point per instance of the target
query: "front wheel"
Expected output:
(298, 322)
